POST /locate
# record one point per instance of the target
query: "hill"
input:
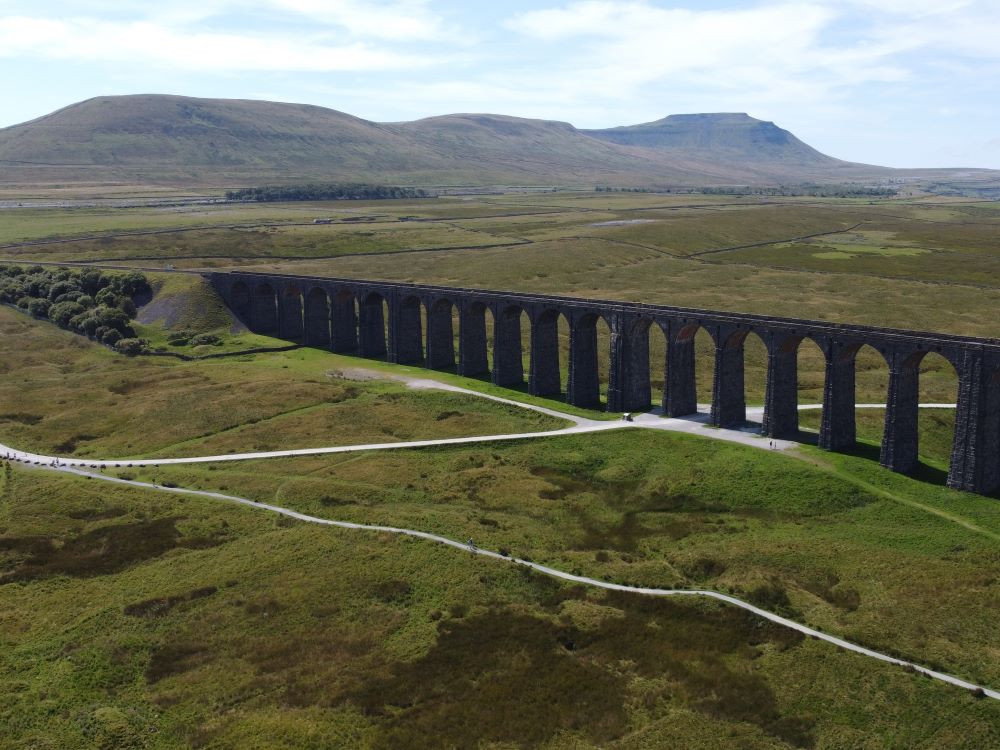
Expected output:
(737, 135)
(183, 141)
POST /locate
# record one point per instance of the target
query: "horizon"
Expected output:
(900, 84)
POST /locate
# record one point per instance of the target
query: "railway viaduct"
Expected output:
(349, 315)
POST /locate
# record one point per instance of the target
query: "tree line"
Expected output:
(90, 302)
(323, 192)
(815, 191)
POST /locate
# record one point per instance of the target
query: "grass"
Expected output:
(134, 619)
(74, 397)
(853, 549)
(345, 639)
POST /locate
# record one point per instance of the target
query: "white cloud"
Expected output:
(151, 43)
(402, 20)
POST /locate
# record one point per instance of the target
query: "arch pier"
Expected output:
(413, 324)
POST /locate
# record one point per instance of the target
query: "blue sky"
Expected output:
(895, 82)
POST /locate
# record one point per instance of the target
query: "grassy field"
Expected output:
(135, 619)
(67, 396)
(218, 626)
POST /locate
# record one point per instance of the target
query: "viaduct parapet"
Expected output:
(414, 324)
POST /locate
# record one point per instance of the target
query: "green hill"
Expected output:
(182, 141)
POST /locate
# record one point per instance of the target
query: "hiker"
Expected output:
(472, 546)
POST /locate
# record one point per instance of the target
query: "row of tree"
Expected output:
(818, 191)
(90, 302)
(323, 192)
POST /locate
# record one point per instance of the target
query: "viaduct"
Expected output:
(349, 315)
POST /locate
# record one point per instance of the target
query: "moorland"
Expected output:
(132, 618)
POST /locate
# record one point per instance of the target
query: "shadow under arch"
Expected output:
(474, 339)
(406, 331)
(440, 353)
(290, 324)
(317, 319)
(343, 322)
(240, 302)
(264, 313)
(508, 349)
(371, 326)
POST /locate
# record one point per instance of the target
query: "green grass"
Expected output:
(856, 550)
(134, 619)
(69, 396)
(334, 638)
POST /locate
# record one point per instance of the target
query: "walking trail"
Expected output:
(697, 424)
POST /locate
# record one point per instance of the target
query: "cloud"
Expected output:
(403, 20)
(135, 42)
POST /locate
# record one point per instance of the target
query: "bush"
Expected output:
(110, 337)
(39, 307)
(203, 339)
(62, 312)
(131, 347)
(61, 288)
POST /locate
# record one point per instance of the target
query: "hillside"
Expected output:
(737, 135)
(183, 141)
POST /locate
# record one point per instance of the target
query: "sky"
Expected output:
(903, 83)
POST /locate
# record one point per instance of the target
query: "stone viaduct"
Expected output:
(349, 315)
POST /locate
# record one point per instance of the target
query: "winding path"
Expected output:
(696, 425)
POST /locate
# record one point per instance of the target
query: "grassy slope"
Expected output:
(190, 636)
(123, 407)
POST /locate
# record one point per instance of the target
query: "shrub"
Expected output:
(131, 347)
(61, 288)
(203, 339)
(110, 337)
(62, 312)
(39, 307)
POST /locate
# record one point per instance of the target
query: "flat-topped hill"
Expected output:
(175, 140)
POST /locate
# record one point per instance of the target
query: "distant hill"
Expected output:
(183, 141)
(734, 135)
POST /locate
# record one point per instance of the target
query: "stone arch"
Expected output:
(784, 386)
(588, 369)
(240, 302)
(850, 364)
(441, 334)
(545, 377)
(508, 345)
(317, 318)
(636, 383)
(406, 332)
(343, 321)
(290, 322)
(900, 447)
(690, 367)
(264, 314)
(475, 339)
(371, 325)
(729, 379)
